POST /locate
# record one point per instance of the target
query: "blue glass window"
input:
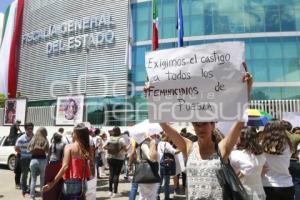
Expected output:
(275, 93)
(142, 31)
(220, 23)
(169, 28)
(272, 18)
(168, 19)
(276, 70)
(259, 70)
(258, 48)
(255, 19)
(287, 18)
(197, 25)
(167, 45)
(143, 11)
(289, 47)
(248, 52)
(274, 48)
(297, 17)
(208, 19)
(267, 93)
(236, 22)
(142, 20)
(291, 93)
(196, 7)
(169, 8)
(291, 69)
(139, 71)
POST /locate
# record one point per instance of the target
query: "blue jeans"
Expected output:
(295, 173)
(37, 167)
(24, 174)
(133, 191)
(166, 180)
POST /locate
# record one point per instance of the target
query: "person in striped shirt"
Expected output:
(25, 156)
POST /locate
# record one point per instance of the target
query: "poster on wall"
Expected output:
(14, 109)
(69, 110)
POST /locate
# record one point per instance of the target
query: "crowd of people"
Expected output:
(266, 161)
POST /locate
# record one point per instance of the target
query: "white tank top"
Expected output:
(202, 181)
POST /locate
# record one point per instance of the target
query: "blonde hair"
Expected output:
(39, 140)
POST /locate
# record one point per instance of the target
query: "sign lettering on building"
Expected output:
(66, 36)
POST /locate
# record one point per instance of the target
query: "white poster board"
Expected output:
(141, 131)
(69, 110)
(14, 109)
(197, 83)
(292, 117)
(224, 127)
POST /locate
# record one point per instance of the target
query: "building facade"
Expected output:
(270, 30)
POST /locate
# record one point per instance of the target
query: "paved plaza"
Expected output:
(8, 191)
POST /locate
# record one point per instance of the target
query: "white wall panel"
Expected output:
(43, 77)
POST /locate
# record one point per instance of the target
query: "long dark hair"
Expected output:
(249, 141)
(82, 137)
(275, 138)
(56, 138)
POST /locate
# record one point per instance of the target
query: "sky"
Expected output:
(4, 4)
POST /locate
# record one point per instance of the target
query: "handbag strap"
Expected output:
(83, 176)
(165, 148)
(141, 149)
(217, 149)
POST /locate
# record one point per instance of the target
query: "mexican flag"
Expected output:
(154, 25)
(9, 50)
(1, 26)
(8, 30)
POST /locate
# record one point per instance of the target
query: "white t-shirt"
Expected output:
(250, 166)
(278, 174)
(67, 139)
(127, 143)
(92, 144)
(97, 142)
(165, 146)
(246, 163)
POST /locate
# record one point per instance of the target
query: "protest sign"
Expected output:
(197, 83)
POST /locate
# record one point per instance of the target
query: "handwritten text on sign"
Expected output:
(197, 83)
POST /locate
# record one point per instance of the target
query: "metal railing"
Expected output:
(276, 107)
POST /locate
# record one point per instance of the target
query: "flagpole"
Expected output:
(180, 32)
(154, 25)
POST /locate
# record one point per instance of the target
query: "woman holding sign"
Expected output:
(203, 161)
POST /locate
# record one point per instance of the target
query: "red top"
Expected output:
(75, 170)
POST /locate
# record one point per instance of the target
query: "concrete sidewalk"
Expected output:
(8, 191)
